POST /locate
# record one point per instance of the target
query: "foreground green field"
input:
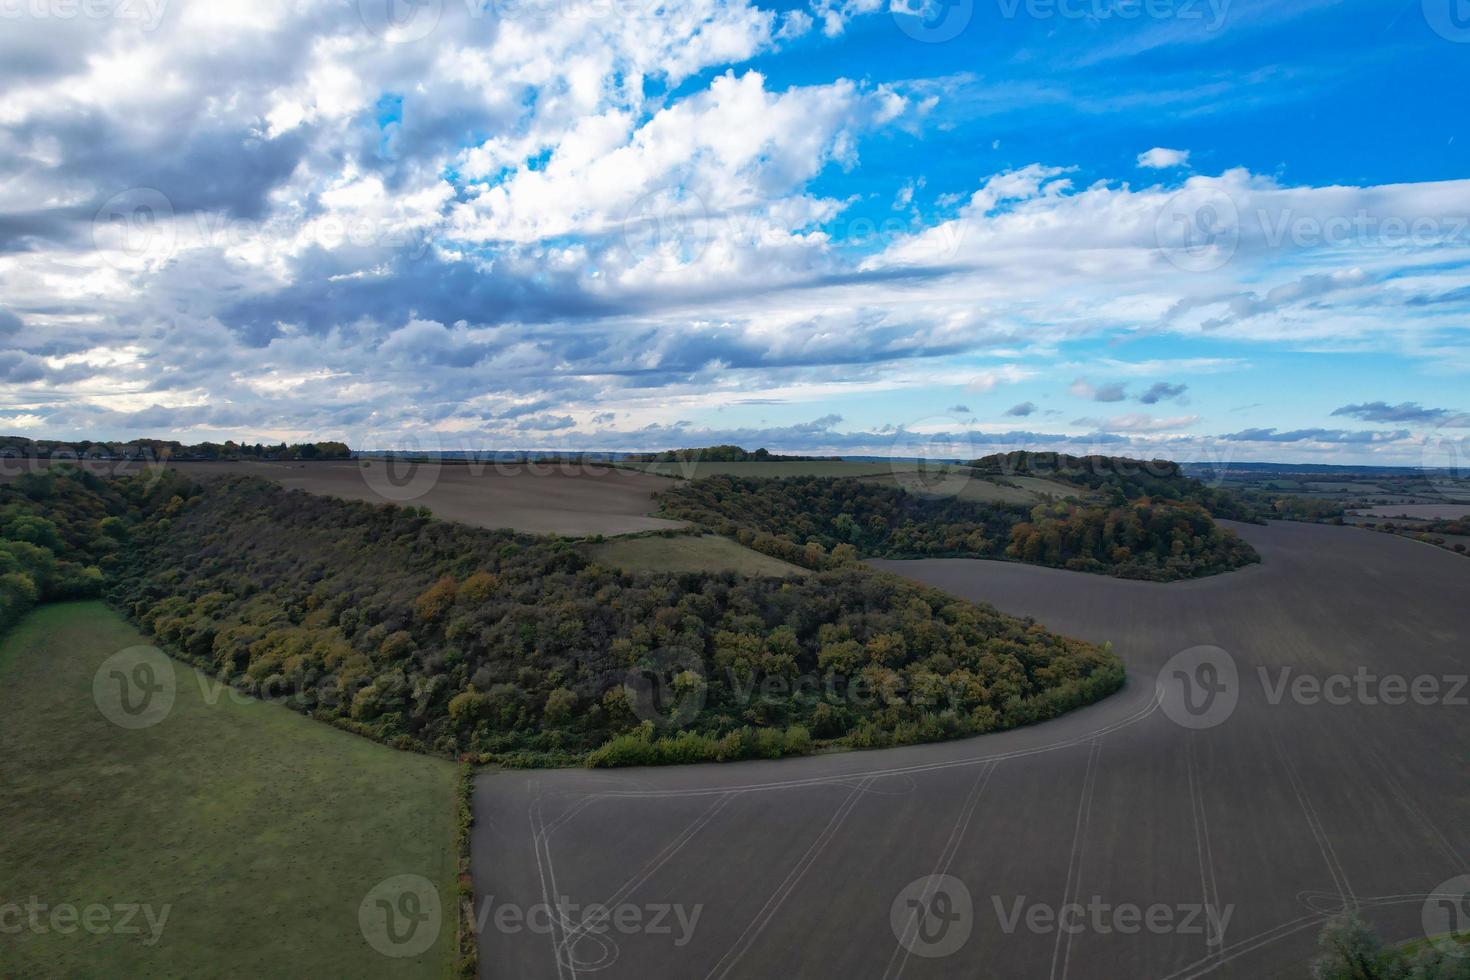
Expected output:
(689, 553)
(245, 837)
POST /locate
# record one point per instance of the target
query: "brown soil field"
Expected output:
(575, 501)
(1280, 812)
(571, 500)
(689, 553)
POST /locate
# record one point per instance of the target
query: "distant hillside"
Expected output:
(1120, 479)
(722, 454)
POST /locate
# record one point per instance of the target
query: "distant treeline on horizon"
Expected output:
(167, 449)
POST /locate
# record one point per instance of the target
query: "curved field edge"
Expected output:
(260, 831)
(518, 651)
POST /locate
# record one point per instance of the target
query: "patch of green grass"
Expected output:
(259, 830)
(688, 553)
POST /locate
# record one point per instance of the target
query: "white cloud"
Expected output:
(1160, 158)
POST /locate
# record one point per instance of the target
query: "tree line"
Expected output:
(161, 449)
(822, 522)
(451, 639)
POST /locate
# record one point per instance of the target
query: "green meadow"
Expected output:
(227, 838)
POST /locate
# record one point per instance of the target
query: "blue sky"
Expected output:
(1207, 229)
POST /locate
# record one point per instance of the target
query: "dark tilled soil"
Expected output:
(1281, 815)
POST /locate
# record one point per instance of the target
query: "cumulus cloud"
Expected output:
(1163, 391)
(1405, 412)
(1337, 436)
(1139, 422)
(261, 220)
(1160, 158)
(1111, 392)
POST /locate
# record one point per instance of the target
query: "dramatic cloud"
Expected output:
(517, 223)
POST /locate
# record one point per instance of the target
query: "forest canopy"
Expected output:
(452, 639)
(824, 521)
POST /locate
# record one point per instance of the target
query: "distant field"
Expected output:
(1027, 489)
(693, 471)
(1348, 488)
(572, 500)
(261, 830)
(1429, 512)
(575, 501)
(689, 553)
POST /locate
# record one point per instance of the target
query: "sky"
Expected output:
(1209, 230)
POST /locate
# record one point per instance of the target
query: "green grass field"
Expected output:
(258, 831)
(689, 553)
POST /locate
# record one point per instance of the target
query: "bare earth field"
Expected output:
(1118, 817)
(535, 499)
(575, 500)
(689, 553)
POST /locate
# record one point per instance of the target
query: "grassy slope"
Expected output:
(689, 553)
(263, 829)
